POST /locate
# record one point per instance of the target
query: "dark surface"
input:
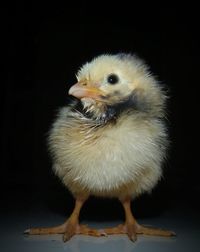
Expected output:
(12, 239)
(43, 46)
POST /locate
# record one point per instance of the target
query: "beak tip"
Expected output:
(80, 91)
(71, 90)
(76, 91)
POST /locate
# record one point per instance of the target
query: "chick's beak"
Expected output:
(83, 91)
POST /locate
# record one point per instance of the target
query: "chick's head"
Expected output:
(110, 84)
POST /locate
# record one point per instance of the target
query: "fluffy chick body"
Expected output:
(118, 155)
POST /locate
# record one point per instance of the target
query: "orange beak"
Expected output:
(82, 91)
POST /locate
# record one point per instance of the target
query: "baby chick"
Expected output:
(111, 141)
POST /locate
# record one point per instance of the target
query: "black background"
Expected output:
(43, 46)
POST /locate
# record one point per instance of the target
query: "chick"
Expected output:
(111, 141)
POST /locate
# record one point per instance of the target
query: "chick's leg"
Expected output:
(132, 228)
(69, 228)
(72, 224)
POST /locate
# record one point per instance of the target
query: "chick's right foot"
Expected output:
(68, 229)
(81, 229)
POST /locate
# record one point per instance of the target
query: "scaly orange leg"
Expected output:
(70, 227)
(132, 228)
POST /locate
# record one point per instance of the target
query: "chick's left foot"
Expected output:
(129, 229)
(133, 229)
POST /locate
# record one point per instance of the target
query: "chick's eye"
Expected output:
(112, 79)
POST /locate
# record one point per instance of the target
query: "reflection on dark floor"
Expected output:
(185, 223)
(26, 208)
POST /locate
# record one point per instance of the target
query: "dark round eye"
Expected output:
(112, 79)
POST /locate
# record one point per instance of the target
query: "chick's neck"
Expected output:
(102, 113)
